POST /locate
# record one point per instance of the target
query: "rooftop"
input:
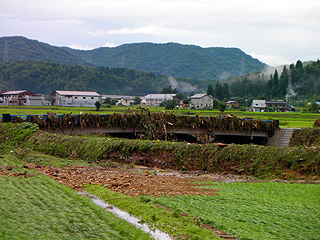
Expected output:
(77, 93)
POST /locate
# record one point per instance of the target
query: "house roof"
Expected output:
(275, 102)
(159, 96)
(14, 92)
(77, 93)
(200, 95)
(232, 102)
(17, 92)
(117, 96)
(259, 103)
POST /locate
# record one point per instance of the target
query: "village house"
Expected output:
(232, 104)
(126, 101)
(122, 100)
(270, 106)
(201, 101)
(75, 98)
(21, 98)
(156, 99)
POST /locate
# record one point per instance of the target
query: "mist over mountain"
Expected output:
(171, 59)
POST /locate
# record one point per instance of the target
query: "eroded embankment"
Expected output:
(307, 137)
(259, 161)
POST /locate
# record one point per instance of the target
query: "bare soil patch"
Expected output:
(130, 181)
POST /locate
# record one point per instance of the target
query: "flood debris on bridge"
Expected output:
(152, 125)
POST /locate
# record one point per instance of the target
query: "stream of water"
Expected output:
(155, 233)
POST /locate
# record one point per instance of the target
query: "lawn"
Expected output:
(261, 210)
(37, 207)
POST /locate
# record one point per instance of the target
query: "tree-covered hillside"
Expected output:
(172, 59)
(41, 77)
(21, 49)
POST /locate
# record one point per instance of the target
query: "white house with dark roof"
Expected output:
(201, 101)
(258, 106)
(156, 99)
(74, 98)
(21, 98)
(269, 106)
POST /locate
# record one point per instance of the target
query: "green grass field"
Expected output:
(39, 208)
(263, 210)
(292, 120)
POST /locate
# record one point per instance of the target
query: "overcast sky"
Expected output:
(274, 31)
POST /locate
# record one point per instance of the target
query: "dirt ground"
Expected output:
(138, 180)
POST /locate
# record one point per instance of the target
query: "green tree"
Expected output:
(137, 100)
(210, 90)
(166, 90)
(218, 91)
(107, 101)
(98, 105)
(170, 104)
(222, 107)
(314, 107)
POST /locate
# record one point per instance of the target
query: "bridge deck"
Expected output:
(169, 130)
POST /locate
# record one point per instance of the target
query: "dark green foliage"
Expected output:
(40, 77)
(137, 100)
(22, 49)
(222, 107)
(305, 82)
(98, 105)
(210, 90)
(170, 104)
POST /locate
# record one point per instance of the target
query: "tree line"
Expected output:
(296, 82)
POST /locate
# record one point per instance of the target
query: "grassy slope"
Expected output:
(265, 210)
(39, 208)
(296, 119)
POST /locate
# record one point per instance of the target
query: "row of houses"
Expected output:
(88, 99)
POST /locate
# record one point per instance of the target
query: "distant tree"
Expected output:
(137, 100)
(166, 90)
(210, 90)
(218, 91)
(314, 107)
(175, 91)
(170, 104)
(107, 101)
(186, 100)
(98, 105)
(180, 95)
(222, 107)
(299, 64)
(215, 103)
(225, 90)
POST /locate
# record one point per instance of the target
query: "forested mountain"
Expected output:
(42, 77)
(21, 49)
(173, 59)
